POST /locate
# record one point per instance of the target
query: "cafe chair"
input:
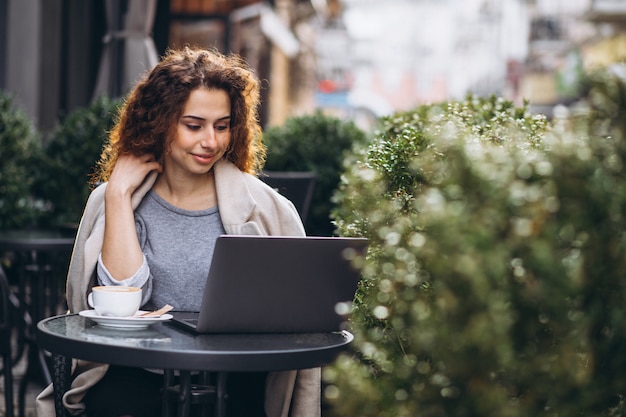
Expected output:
(5, 342)
(39, 262)
(297, 186)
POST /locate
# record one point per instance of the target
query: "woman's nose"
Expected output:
(208, 139)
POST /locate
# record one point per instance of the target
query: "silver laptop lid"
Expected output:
(272, 284)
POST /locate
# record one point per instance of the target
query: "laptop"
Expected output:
(277, 284)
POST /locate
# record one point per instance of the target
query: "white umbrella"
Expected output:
(120, 71)
(140, 54)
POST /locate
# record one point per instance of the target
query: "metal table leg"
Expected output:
(222, 394)
(168, 382)
(186, 393)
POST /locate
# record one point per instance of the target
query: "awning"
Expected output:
(271, 26)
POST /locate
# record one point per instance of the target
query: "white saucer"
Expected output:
(128, 323)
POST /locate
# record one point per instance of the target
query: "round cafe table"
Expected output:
(163, 346)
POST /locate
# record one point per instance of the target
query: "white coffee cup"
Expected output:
(115, 300)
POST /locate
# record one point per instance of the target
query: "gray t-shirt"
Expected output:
(178, 247)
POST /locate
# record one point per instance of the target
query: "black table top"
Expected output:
(163, 346)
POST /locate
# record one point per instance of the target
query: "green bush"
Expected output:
(493, 286)
(71, 153)
(392, 170)
(315, 143)
(405, 139)
(19, 144)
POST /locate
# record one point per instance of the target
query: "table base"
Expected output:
(206, 394)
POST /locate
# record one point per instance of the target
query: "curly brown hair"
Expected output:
(146, 122)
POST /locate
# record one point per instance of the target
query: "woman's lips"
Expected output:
(202, 159)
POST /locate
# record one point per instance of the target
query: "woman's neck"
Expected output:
(196, 193)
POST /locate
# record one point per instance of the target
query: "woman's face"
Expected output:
(202, 134)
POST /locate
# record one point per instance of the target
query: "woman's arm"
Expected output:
(121, 253)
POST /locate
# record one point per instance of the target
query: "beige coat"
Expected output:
(247, 207)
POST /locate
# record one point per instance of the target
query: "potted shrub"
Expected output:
(316, 143)
(19, 144)
(72, 150)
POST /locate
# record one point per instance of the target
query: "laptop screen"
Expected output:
(277, 284)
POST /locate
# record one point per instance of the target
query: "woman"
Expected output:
(179, 171)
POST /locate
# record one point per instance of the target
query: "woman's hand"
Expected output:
(130, 171)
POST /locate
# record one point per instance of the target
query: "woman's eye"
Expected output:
(221, 128)
(193, 127)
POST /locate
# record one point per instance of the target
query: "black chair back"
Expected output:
(296, 186)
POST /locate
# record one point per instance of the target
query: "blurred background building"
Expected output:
(56, 55)
(359, 59)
